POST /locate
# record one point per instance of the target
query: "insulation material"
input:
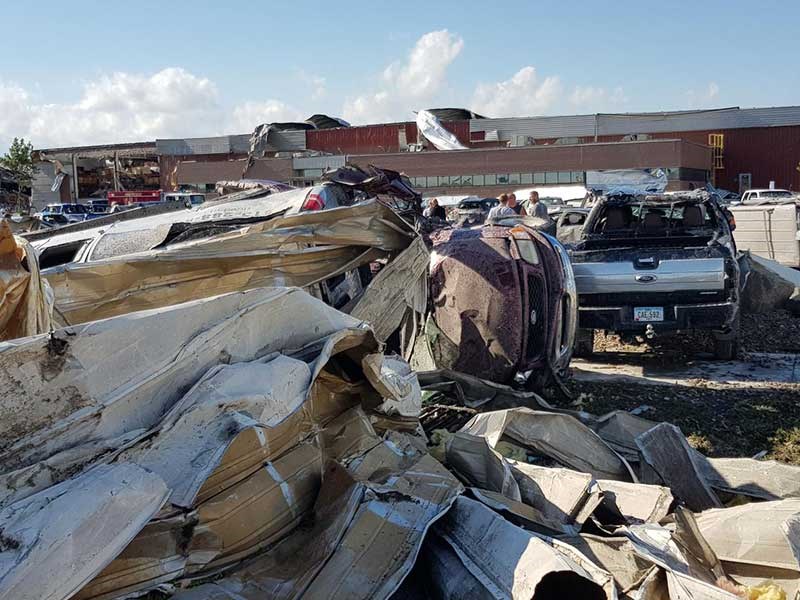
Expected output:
(26, 301)
(396, 382)
(557, 436)
(435, 133)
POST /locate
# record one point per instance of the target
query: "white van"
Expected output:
(769, 230)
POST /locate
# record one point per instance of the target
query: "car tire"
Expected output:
(584, 343)
(727, 349)
(726, 345)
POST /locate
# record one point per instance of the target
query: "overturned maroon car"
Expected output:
(503, 302)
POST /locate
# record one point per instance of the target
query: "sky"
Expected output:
(91, 72)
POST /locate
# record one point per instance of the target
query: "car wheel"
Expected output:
(584, 343)
(726, 349)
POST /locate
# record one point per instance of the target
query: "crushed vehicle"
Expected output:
(569, 224)
(649, 265)
(503, 301)
(248, 239)
(473, 211)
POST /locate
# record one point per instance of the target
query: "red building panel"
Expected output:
(767, 153)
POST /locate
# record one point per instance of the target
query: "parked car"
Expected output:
(188, 198)
(760, 196)
(657, 264)
(503, 302)
(770, 229)
(67, 213)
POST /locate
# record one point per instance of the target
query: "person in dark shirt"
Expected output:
(435, 211)
(517, 208)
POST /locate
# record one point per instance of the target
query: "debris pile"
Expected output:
(240, 451)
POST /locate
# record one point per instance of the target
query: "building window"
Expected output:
(431, 181)
(551, 178)
(577, 177)
(444, 180)
(538, 178)
(490, 179)
(526, 178)
(564, 177)
(513, 178)
(502, 179)
(468, 180)
(456, 180)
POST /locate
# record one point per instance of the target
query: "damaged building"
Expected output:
(733, 148)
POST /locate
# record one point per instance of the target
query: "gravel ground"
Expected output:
(720, 420)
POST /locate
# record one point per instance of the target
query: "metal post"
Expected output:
(116, 173)
(75, 184)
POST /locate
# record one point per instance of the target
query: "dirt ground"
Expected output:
(719, 419)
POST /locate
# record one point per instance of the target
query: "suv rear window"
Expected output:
(622, 219)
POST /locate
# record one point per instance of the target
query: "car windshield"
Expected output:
(633, 219)
(74, 209)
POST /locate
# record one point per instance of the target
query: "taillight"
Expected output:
(313, 202)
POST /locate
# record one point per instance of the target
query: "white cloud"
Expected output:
(124, 107)
(248, 115)
(592, 99)
(704, 98)
(410, 84)
(317, 83)
(522, 95)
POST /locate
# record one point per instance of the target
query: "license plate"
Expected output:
(648, 313)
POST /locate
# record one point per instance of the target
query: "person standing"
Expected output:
(434, 210)
(501, 210)
(538, 209)
(517, 208)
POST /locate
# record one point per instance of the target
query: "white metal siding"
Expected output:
(623, 124)
(318, 162)
(42, 181)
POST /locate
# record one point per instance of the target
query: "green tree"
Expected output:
(19, 161)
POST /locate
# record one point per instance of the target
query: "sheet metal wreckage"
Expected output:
(182, 429)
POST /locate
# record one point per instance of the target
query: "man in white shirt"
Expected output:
(501, 210)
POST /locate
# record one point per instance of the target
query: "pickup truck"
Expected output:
(648, 265)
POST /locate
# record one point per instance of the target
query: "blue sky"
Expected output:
(89, 72)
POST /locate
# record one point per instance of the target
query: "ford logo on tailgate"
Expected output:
(646, 278)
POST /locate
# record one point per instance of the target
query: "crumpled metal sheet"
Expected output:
(298, 250)
(85, 384)
(26, 301)
(558, 436)
(55, 541)
(465, 561)
(400, 287)
(368, 526)
(757, 541)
